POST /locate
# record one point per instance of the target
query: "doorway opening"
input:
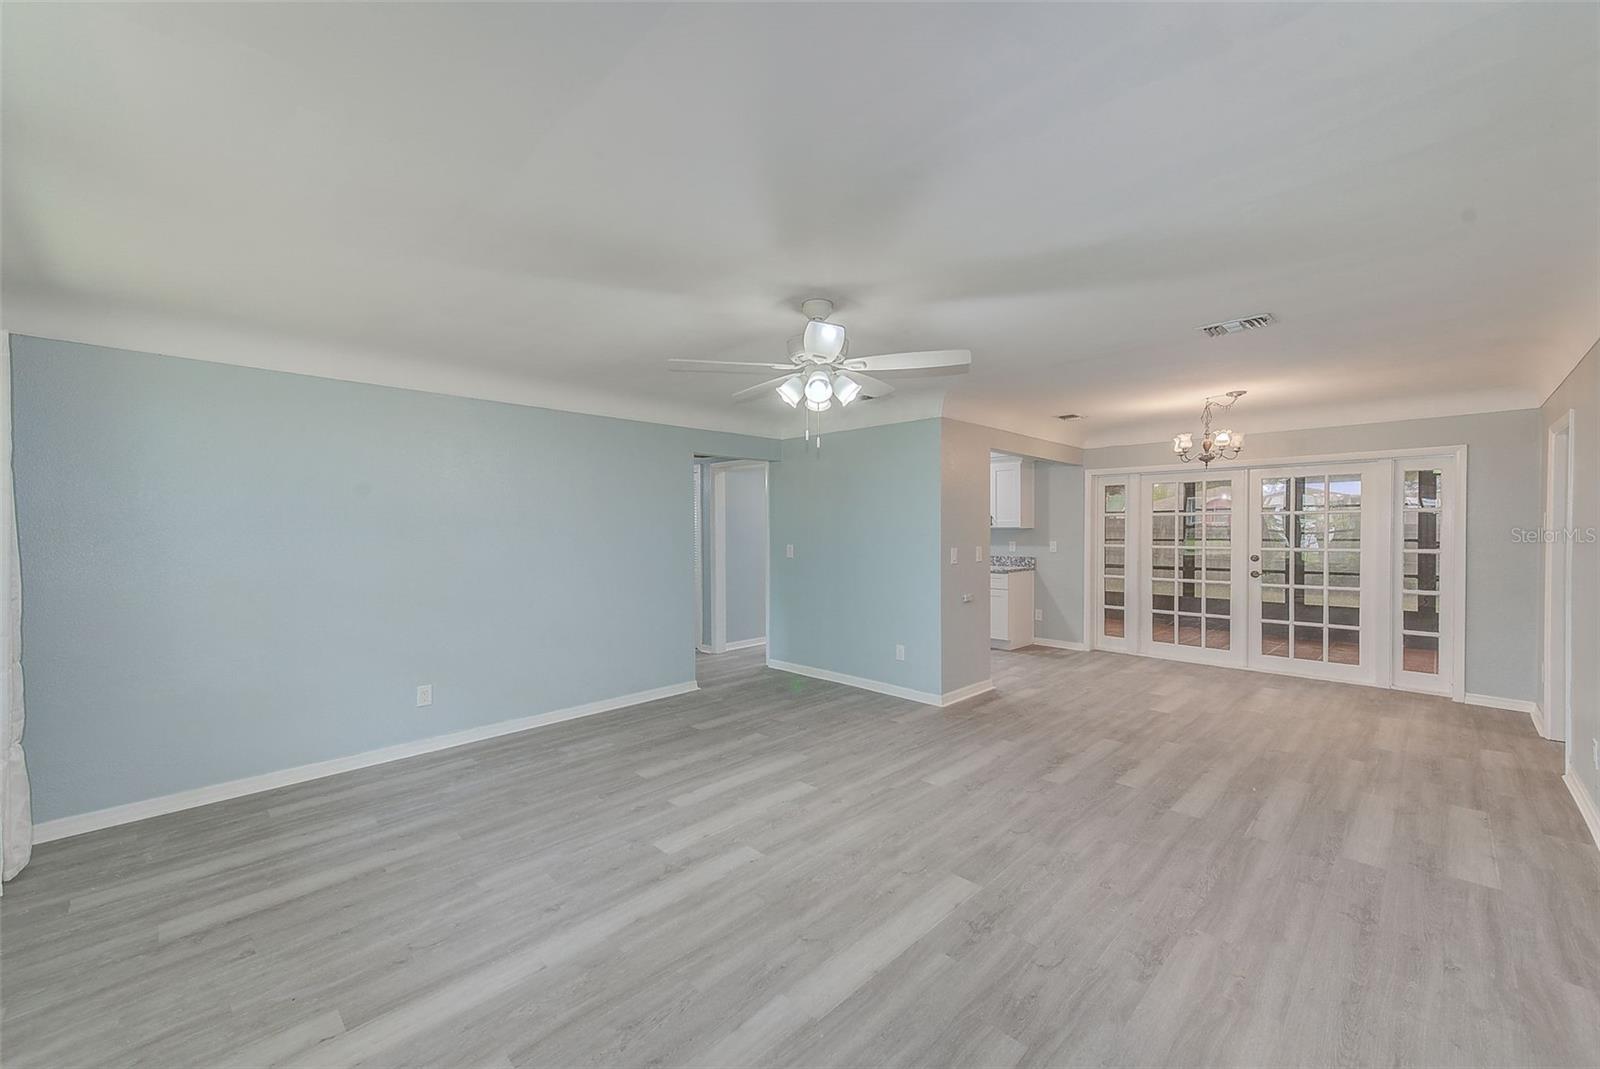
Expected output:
(731, 556)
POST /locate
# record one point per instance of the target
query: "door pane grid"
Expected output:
(1113, 559)
(1421, 517)
(1311, 567)
(1191, 563)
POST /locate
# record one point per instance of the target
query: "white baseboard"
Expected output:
(1060, 644)
(63, 827)
(1515, 705)
(879, 687)
(961, 694)
(1586, 805)
(743, 644)
(703, 648)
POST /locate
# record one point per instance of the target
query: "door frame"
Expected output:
(718, 471)
(1562, 731)
(1457, 536)
(699, 558)
(1093, 565)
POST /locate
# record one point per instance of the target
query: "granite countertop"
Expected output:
(1007, 565)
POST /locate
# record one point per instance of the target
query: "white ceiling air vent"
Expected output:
(1235, 326)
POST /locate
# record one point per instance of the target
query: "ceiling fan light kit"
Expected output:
(823, 339)
(820, 370)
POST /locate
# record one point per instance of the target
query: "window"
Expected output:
(1113, 559)
(1421, 519)
(1191, 563)
(1311, 567)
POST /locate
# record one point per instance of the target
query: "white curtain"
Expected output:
(16, 813)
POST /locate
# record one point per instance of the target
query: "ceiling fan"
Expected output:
(820, 369)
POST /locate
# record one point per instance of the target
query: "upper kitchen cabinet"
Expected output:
(1010, 491)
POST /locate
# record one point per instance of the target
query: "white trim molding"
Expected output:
(961, 694)
(64, 827)
(1060, 643)
(1513, 705)
(743, 644)
(1587, 808)
(878, 687)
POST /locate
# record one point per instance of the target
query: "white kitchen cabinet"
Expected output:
(1010, 492)
(1011, 610)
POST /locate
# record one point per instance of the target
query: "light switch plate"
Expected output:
(1052, 545)
(788, 550)
(977, 554)
(899, 652)
(424, 695)
(953, 553)
(1013, 547)
(1038, 616)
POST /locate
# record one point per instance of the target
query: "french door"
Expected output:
(1317, 570)
(1339, 570)
(1191, 566)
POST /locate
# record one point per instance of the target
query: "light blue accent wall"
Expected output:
(227, 572)
(745, 596)
(863, 514)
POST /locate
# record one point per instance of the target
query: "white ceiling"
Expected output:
(543, 203)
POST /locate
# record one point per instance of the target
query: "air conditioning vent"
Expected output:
(1070, 415)
(1236, 326)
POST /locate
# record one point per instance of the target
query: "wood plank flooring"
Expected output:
(1112, 860)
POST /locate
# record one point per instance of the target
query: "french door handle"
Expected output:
(1255, 575)
(1254, 557)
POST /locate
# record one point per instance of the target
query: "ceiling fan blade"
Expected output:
(767, 387)
(871, 387)
(936, 358)
(736, 366)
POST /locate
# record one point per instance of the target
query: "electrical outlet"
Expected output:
(424, 695)
(899, 653)
(1052, 545)
(1013, 547)
(788, 550)
(953, 552)
(1038, 616)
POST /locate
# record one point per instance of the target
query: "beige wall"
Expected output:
(1580, 394)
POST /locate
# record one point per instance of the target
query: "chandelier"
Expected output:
(1214, 445)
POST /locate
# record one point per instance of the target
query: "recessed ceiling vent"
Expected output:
(1070, 415)
(1237, 326)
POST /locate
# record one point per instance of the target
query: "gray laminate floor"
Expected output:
(1114, 860)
